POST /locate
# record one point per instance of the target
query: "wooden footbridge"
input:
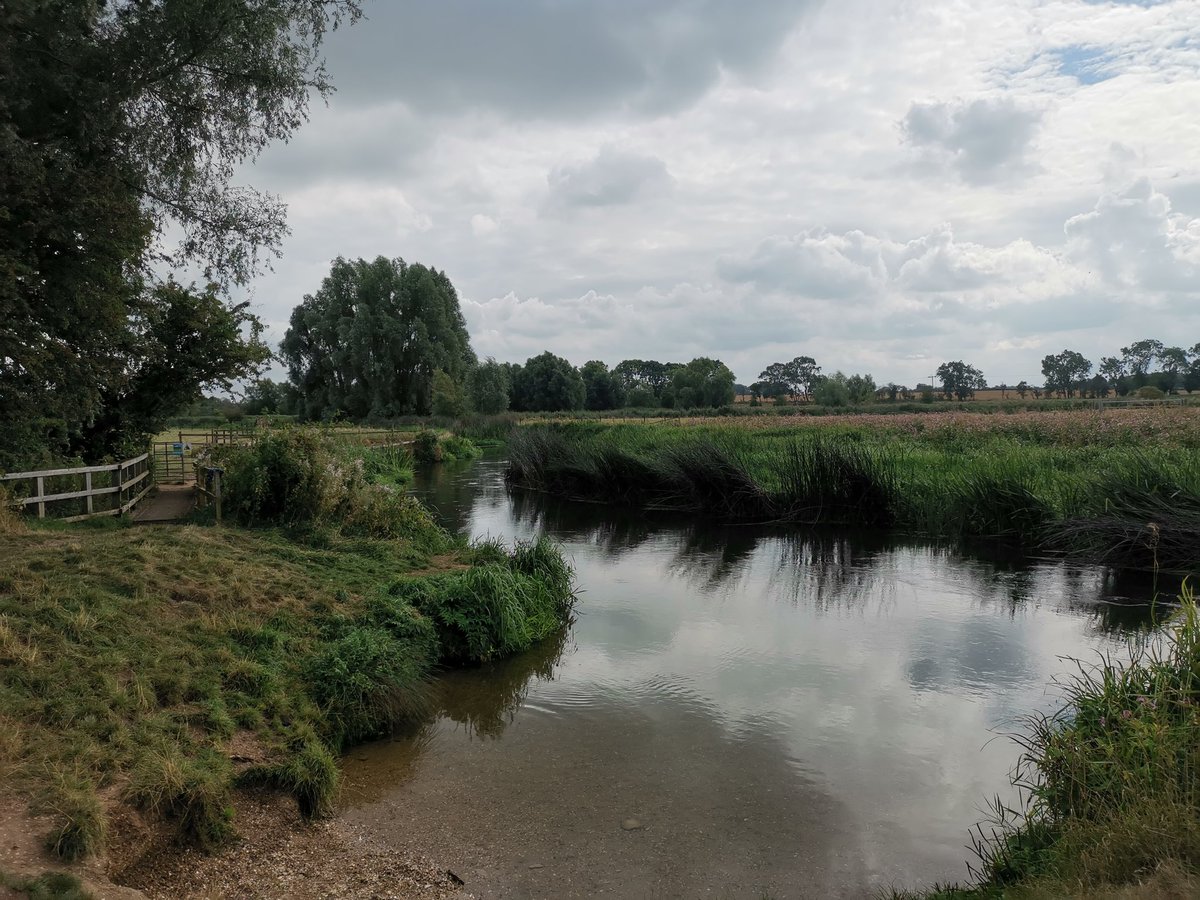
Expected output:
(159, 486)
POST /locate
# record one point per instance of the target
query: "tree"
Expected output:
(180, 342)
(120, 121)
(263, 397)
(1065, 371)
(861, 388)
(774, 381)
(488, 387)
(369, 341)
(447, 397)
(960, 380)
(801, 373)
(702, 382)
(831, 390)
(642, 373)
(602, 389)
(1022, 388)
(548, 382)
(1112, 369)
(1139, 356)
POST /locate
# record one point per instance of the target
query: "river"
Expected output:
(735, 712)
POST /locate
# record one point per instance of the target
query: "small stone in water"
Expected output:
(631, 825)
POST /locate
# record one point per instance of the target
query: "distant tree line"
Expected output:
(387, 338)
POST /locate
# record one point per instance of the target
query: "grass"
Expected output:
(48, 886)
(1108, 496)
(134, 662)
(1112, 784)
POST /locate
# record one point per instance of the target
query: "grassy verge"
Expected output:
(1113, 785)
(1111, 495)
(162, 667)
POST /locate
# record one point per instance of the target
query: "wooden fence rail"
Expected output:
(127, 482)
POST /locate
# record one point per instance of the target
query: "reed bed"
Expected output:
(1130, 505)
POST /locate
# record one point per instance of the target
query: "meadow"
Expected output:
(164, 668)
(1118, 486)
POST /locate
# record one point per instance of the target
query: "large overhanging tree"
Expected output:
(119, 121)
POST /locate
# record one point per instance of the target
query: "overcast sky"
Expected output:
(880, 185)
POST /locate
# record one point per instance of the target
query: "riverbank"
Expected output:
(1119, 487)
(1111, 785)
(151, 674)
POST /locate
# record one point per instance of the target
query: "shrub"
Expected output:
(303, 478)
(427, 447)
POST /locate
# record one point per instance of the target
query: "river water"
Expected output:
(735, 712)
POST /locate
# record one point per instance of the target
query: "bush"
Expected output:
(427, 446)
(1149, 392)
(304, 478)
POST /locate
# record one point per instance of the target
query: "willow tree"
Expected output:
(122, 121)
(370, 341)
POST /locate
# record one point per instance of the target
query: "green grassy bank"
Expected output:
(1112, 786)
(163, 667)
(1113, 495)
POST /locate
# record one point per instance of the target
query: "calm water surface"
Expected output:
(736, 712)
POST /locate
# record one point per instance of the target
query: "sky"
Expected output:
(883, 185)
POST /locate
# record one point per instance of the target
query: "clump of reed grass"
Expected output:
(193, 787)
(367, 679)
(494, 610)
(838, 482)
(1144, 514)
(81, 827)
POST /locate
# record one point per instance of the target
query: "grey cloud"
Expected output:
(549, 59)
(983, 141)
(814, 263)
(382, 143)
(611, 178)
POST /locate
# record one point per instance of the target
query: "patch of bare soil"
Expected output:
(278, 855)
(281, 855)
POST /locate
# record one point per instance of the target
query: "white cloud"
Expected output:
(879, 187)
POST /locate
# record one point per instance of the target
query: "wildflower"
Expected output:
(1127, 714)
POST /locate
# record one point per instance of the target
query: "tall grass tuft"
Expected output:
(80, 828)
(496, 609)
(192, 787)
(1144, 514)
(838, 482)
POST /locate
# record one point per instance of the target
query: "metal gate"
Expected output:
(173, 462)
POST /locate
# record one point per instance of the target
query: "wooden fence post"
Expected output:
(217, 473)
(87, 486)
(41, 492)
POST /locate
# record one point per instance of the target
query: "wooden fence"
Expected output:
(82, 492)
